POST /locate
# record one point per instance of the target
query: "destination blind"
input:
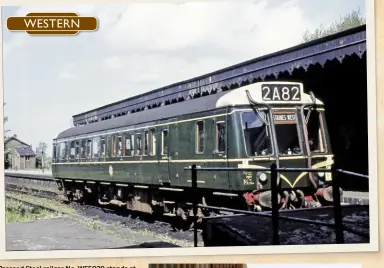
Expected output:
(281, 92)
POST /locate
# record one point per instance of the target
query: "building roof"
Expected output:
(16, 139)
(319, 51)
(25, 151)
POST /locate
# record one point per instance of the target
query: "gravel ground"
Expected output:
(141, 224)
(252, 230)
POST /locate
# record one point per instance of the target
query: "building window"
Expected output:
(27, 158)
(164, 143)
(200, 141)
(220, 137)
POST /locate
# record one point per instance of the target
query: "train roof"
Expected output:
(233, 98)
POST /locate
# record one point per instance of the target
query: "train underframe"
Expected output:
(167, 201)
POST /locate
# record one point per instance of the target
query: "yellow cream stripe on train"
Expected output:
(245, 164)
(126, 161)
(325, 163)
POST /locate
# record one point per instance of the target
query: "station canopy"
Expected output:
(319, 51)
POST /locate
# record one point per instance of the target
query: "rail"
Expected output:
(38, 177)
(338, 225)
(275, 212)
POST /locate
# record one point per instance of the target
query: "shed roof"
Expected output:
(25, 151)
(336, 46)
(16, 139)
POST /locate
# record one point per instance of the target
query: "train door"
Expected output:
(168, 166)
(138, 157)
(173, 154)
(220, 153)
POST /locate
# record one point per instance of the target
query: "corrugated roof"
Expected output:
(25, 151)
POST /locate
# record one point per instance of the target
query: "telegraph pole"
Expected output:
(42, 160)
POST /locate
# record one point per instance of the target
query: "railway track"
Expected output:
(133, 220)
(32, 204)
(88, 213)
(32, 186)
(24, 182)
(85, 208)
(35, 192)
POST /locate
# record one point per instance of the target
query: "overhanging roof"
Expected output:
(337, 46)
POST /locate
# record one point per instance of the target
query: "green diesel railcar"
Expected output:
(138, 160)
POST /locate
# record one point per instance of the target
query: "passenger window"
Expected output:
(200, 141)
(146, 142)
(62, 150)
(164, 143)
(138, 144)
(119, 146)
(89, 148)
(72, 150)
(129, 145)
(103, 147)
(83, 149)
(113, 145)
(96, 147)
(66, 151)
(220, 137)
(54, 152)
(315, 131)
(153, 142)
(108, 142)
(257, 134)
(77, 149)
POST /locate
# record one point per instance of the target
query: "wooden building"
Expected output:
(21, 154)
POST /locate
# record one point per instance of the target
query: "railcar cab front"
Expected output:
(282, 124)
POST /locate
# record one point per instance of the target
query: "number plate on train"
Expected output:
(280, 92)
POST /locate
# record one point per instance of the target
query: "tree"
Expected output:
(348, 21)
(5, 121)
(40, 155)
(7, 162)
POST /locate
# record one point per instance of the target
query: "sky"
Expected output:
(137, 48)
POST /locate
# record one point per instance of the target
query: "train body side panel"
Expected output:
(167, 169)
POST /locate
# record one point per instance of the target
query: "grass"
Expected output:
(16, 211)
(45, 202)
